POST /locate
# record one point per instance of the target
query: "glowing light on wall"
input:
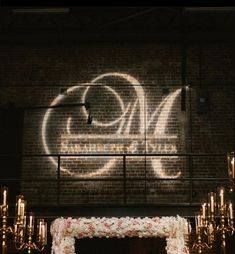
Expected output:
(44, 131)
(124, 121)
(165, 112)
(97, 123)
(136, 85)
(161, 128)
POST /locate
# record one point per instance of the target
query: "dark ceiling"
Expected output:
(151, 21)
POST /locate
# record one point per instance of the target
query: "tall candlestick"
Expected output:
(20, 228)
(44, 233)
(43, 238)
(40, 223)
(231, 170)
(212, 199)
(198, 222)
(22, 208)
(189, 228)
(24, 221)
(19, 207)
(212, 203)
(208, 208)
(221, 195)
(4, 203)
(204, 211)
(186, 232)
(232, 167)
(230, 207)
(31, 222)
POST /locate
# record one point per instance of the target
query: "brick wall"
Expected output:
(34, 75)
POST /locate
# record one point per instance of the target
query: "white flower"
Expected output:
(170, 227)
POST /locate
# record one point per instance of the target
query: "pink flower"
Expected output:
(69, 222)
(106, 225)
(81, 235)
(120, 223)
(91, 227)
(149, 225)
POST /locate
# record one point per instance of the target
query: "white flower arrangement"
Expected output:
(65, 230)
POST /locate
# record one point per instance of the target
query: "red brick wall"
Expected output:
(34, 75)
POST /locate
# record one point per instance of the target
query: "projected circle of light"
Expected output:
(111, 123)
(163, 109)
(58, 99)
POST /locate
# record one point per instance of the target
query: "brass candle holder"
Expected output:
(187, 232)
(23, 228)
(200, 227)
(206, 225)
(225, 226)
(4, 230)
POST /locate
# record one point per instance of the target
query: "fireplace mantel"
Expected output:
(65, 230)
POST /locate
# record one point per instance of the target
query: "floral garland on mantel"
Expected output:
(65, 230)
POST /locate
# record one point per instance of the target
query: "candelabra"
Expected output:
(206, 223)
(23, 226)
(199, 244)
(4, 213)
(187, 232)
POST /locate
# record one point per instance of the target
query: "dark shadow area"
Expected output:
(124, 246)
(11, 137)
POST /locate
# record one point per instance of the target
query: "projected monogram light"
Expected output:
(134, 130)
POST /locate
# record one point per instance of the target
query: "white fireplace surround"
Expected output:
(65, 230)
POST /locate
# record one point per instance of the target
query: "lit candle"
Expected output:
(18, 205)
(230, 211)
(198, 222)
(209, 208)
(4, 196)
(186, 228)
(24, 222)
(39, 232)
(41, 222)
(189, 228)
(204, 211)
(212, 203)
(212, 197)
(31, 221)
(221, 194)
(22, 208)
(232, 167)
(42, 229)
(231, 170)
(43, 232)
